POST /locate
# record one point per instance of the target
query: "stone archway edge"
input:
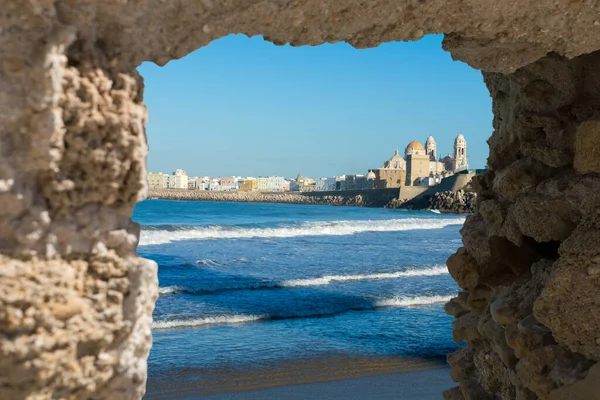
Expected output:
(76, 300)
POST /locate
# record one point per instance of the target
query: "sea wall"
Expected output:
(366, 198)
(75, 298)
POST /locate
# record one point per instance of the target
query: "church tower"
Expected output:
(460, 153)
(430, 148)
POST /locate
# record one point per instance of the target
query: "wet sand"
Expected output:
(336, 378)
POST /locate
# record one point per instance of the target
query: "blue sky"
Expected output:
(242, 106)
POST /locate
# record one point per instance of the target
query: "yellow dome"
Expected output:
(415, 145)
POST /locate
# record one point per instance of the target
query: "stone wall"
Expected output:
(530, 265)
(76, 301)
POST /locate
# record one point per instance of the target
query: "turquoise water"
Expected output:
(246, 284)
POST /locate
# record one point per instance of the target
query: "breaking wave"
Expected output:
(157, 234)
(327, 279)
(412, 301)
(239, 319)
(320, 281)
(216, 320)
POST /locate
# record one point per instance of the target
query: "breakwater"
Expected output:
(365, 198)
(448, 201)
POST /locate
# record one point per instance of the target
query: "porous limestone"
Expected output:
(76, 300)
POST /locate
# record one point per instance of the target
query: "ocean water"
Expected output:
(244, 285)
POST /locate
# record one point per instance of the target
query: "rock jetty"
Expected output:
(459, 202)
(453, 202)
(257, 197)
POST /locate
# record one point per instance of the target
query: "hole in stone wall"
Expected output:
(547, 250)
(260, 294)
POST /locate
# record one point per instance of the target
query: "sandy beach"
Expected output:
(339, 378)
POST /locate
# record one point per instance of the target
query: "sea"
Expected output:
(249, 285)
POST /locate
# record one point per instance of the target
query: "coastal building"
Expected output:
(330, 183)
(321, 184)
(357, 182)
(392, 174)
(262, 184)
(157, 181)
(286, 186)
(431, 148)
(460, 154)
(214, 185)
(179, 180)
(249, 185)
(302, 184)
(196, 183)
(417, 163)
(275, 183)
(228, 184)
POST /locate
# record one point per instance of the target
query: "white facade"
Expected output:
(262, 184)
(326, 184)
(431, 148)
(321, 185)
(179, 180)
(331, 184)
(431, 180)
(275, 184)
(196, 183)
(460, 154)
(157, 181)
(214, 185)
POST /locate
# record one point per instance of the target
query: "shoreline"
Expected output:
(446, 202)
(296, 377)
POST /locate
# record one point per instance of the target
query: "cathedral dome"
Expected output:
(415, 145)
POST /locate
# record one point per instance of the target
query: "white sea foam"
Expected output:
(320, 281)
(206, 321)
(326, 280)
(239, 319)
(327, 228)
(169, 289)
(411, 301)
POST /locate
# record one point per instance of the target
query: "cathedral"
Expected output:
(419, 163)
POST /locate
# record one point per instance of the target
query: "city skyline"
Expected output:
(251, 108)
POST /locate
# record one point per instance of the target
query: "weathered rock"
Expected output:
(76, 302)
(570, 290)
(463, 269)
(587, 147)
(465, 328)
(535, 237)
(453, 394)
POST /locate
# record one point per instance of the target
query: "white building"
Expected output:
(196, 183)
(214, 185)
(275, 184)
(157, 181)
(179, 180)
(331, 184)
(262, 184)
(431, 180)
(321, 185)
(460, 154)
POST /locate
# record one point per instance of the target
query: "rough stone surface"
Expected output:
(76, 301)
(534, 241)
